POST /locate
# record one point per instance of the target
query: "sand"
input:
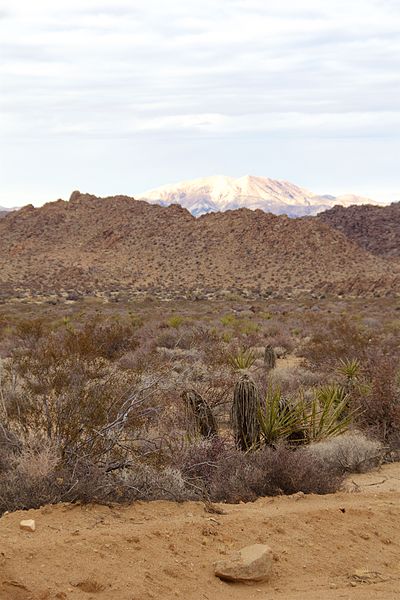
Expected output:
(341, 546)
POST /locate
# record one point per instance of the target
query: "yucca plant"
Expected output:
(280, 420)
(326, 415)
(245, 414)
(349, 368)
(330, 393)
(243, 359)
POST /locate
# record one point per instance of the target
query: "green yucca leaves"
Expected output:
(278, 420)
(349, 368)
(331, 394)
(323, 416)
(327, 414)
(242, 360)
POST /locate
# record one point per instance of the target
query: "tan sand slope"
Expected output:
(343, 546)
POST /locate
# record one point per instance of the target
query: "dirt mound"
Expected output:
(345, 545)
(374, 228)
(116, 244)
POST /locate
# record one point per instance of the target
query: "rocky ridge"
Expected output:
(374, 228)
(118, 244)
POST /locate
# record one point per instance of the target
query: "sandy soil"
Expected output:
(342, 546)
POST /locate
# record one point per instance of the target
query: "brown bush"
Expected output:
(352, 452)
(336, 339)
(378, 402)
(220, 472)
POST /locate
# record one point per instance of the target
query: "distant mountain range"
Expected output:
(220, 193)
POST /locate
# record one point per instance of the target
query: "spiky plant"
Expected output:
(201, 413)
(280, 419)
(242, 360)
(326, 415)
(330, 394)
(245, 414)
(350, 370)
(269, 357)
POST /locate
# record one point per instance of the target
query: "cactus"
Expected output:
(245, 411)
(204, 419)
(269, 357)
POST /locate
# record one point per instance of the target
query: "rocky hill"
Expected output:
(4, 211)
(113, 244)
(220, 193)
(374, 228)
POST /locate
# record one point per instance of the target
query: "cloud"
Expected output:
(87, 69)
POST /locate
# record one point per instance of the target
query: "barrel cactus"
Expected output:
(269, 357)
(201, 412)
(245, 414)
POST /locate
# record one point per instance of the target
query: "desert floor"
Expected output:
(345, 545)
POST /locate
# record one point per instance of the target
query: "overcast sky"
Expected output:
(118, 96)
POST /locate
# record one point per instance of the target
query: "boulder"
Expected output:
(252, 563)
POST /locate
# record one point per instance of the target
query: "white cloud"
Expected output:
(110, 69)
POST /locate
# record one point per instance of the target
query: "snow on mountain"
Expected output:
(220, 193)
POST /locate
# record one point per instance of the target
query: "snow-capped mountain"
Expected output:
(220, 193)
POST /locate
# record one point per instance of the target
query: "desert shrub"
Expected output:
(95, 337)
(37, 457)
(378, 401)
(37, 476)
(19, 492)
(176, 337)
(334, 340)
(85, 482)
(215, 469)
(145, 482)
(352, 452)
(62, 395)
(29, 479)
(290, 378)
(229, 320)
(198, 461)
(29, 331)
(277, 334)
(70, 393)
(175, 321)
(270, 472)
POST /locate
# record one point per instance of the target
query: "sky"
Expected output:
(117, 96)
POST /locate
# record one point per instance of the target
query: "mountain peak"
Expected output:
(220, 193)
